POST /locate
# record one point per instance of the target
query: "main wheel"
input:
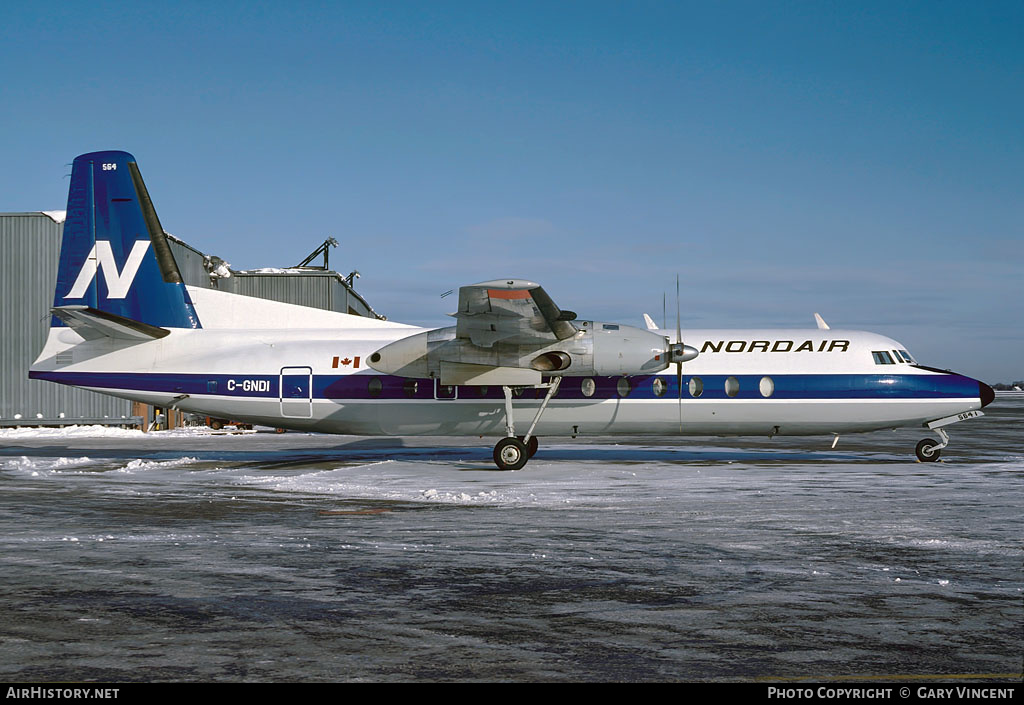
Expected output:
(532, 446)
(927, 452)
(510, 454)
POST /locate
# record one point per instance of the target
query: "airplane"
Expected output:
(124, 323)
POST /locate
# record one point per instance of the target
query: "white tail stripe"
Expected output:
(118, 283)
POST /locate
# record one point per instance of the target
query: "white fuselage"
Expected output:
(744, 382)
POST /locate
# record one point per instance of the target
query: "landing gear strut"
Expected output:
(511, 452)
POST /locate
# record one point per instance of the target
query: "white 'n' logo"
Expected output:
(118, 283)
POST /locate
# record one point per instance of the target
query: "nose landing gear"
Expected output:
(929, 450)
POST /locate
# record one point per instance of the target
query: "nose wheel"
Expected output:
(929, 450)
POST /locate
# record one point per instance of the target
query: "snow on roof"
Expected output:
(286, 270)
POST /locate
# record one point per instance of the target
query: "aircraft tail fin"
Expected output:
(115, 262)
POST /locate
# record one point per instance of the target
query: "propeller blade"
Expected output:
(679, 365)
(679, 328)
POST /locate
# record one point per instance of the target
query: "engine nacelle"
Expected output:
(598, 349)
(624, 350)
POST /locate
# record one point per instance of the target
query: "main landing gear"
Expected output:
(512, 452)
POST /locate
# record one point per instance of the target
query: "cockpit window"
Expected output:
(906, 356)
(882, 358)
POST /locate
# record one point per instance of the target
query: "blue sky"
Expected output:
(863, 160)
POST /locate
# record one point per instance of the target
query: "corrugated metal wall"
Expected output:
(313, 289)
(29, 248)
(318, 289)
(190, 263)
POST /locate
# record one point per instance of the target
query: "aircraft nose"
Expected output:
(987, 394)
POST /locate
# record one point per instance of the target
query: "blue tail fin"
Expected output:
(114, 256)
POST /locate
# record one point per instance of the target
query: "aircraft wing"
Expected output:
(511, 311)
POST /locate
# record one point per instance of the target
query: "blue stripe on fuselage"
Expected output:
(343, 388)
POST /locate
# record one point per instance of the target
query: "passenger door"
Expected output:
(296, 392)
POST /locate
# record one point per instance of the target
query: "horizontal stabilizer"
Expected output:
(93, 324)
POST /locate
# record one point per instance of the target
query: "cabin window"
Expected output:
(732, 386)
(374, 386)
(882, 358)
(767, 387)
(623, 386)
(696, 387)
(660, 387)
(588, 387)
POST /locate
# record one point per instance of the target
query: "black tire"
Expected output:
(532, 446)
(216, 425)
(510, 454)
(927, 452)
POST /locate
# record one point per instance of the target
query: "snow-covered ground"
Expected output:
(194, 555)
